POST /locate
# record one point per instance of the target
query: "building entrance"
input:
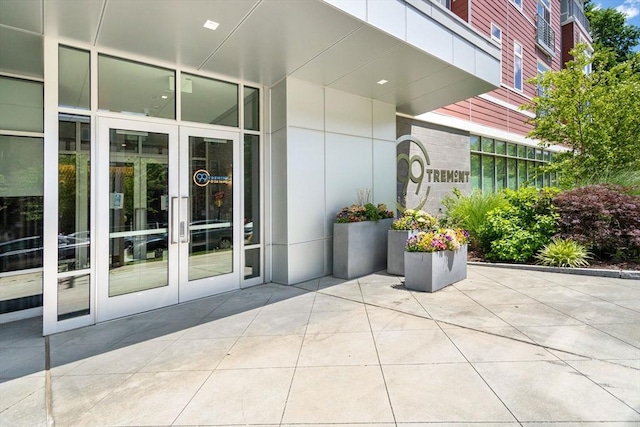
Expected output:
(167, 215)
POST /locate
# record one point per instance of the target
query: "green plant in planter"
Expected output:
(414, 220)
(563, 253)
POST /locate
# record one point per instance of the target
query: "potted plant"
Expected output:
(360, 240)
(435, 259)
(408, 224)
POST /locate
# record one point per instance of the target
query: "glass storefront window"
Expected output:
(209, 101)
(531, 153)
(251, 108)
(73, 296)
(488, 174)
(501, 173)
(511, 150)
(474, 142)
(21, 215)
(512, 181)
(21, 105)
(74, 189)
(487, 145)
(522, 152)
(475, 171)
(522, 173)
(73, 78)
(135, 88)
(501, 147)
(252, 225)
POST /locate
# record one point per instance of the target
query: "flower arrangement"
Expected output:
(366, 212)
(415, 220)
(443, 239)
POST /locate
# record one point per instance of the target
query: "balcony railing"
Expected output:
(545, 36)
(571, 9)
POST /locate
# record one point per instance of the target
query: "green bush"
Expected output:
(563, 253)
(470, 213)
(517, 231)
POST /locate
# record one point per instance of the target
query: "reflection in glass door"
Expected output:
(138, 211)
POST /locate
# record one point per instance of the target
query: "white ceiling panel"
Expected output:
(399, 67)
(25, 14)
(444, 95)
(357, 49)
(278, 38)
(76, 20)
(170, 30)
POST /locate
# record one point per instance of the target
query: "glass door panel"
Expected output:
(138, 266)
(138, 211)
(208, 174)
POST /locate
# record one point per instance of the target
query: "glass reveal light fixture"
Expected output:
(381, 82)
(212, 25)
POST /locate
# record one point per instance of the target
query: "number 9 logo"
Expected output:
(201, 178)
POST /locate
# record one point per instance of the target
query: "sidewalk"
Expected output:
(501, 348)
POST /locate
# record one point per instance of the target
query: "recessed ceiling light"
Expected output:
(211, 25)
(381, 82)
(164, 97)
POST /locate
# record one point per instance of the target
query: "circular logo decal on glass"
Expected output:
(201, 178)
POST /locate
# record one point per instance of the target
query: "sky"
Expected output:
(631, 8)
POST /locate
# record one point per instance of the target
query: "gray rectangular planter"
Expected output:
(431, 271)
(360, 248)
(395, 250)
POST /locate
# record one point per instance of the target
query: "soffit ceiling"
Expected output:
(259, 41)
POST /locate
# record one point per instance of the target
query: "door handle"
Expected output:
(175, 218)
(184, 216)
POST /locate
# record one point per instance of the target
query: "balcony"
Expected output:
(573, 9)
(545, 36)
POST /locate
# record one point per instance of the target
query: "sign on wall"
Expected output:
(431, 162)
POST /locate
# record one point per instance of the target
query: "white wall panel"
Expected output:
(389, 16)
(305, 105)
(279, 106)
(305, 159)
(384, 173)
(348, 114)
(306, 261)
(279, 186)
(429, 36)
(349, 166)
(357, 8)
(384, 121)
(280, 264)
(464, 55)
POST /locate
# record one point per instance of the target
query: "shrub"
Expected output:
(563, 253)
(470, 213)
(603, 218)
(516, 232)
(414, 220)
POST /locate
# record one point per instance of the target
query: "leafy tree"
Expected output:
(596, 116)
(613, 38)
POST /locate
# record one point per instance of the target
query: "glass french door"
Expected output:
(165, 230)
(209, 231)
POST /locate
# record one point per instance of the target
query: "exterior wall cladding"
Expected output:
(498, 109)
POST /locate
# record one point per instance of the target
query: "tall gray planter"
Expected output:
(395, 250)
(431, 271)
(360, 248)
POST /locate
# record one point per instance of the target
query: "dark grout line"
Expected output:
(47, 383)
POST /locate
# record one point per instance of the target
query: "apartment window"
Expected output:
(499, 164)
(518, 3)
(542, 68)
(517, 66)
(544, 10)
(589, 52)
(496, 33)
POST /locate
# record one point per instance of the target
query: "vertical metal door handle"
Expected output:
(175, 205)
(184, 216)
